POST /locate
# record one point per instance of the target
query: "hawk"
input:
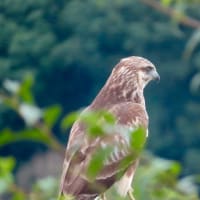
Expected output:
(122, 96)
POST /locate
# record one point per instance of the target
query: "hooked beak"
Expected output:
(155, 76)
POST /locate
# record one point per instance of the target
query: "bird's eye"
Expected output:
(148, 69)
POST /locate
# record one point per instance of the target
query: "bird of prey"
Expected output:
(122, 96)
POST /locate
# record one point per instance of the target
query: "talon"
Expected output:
(130, 194)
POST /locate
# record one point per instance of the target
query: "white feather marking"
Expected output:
(103, 144)
(116, 153)
(124, 153)
(124, 93)
(123, 71)
(123, 131)
(125, 59)
(112, 157)
(147, 133)
(124, 185)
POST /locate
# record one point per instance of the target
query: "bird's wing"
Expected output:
(129, 116)
(80, 151)
(75, 142)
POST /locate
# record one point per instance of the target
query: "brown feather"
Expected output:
(123, 97)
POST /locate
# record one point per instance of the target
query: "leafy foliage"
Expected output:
(51, 115)
(6, 179)
(70, 56)
(65, 48)
(156, 178)
(97, 162)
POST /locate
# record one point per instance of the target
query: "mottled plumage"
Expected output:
(122, 96)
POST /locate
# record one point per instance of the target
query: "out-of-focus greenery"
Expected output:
(156, 178)
(68, 48)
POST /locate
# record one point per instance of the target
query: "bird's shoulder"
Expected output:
(129, 113)
(126, 113)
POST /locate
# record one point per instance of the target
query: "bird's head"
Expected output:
(135, 69)
(126, 82)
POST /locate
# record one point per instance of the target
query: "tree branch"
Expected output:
(185, 20)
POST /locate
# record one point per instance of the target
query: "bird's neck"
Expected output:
(112, 94)
(138, 97)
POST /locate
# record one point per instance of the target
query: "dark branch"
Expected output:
(185, 20)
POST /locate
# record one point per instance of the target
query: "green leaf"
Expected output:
(138, 139)
(18, 195)
(51, 115)
(97, 122)
(7, 136)
(175, 168)
(34, 135)
(127, 161)
(95, 130)
(89, 117)
(97, 162)
(166, 2)
(25, 89)
(6, 181)
(7, 164)
(108, 117)
(68, 120)
(6, 177)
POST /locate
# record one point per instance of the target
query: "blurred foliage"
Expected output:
(71, 54)
(68, 48)
(156, 178)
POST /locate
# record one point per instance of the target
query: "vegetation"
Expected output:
(67, 49)
(156, 178)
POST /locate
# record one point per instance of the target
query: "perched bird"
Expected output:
(122, 96)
